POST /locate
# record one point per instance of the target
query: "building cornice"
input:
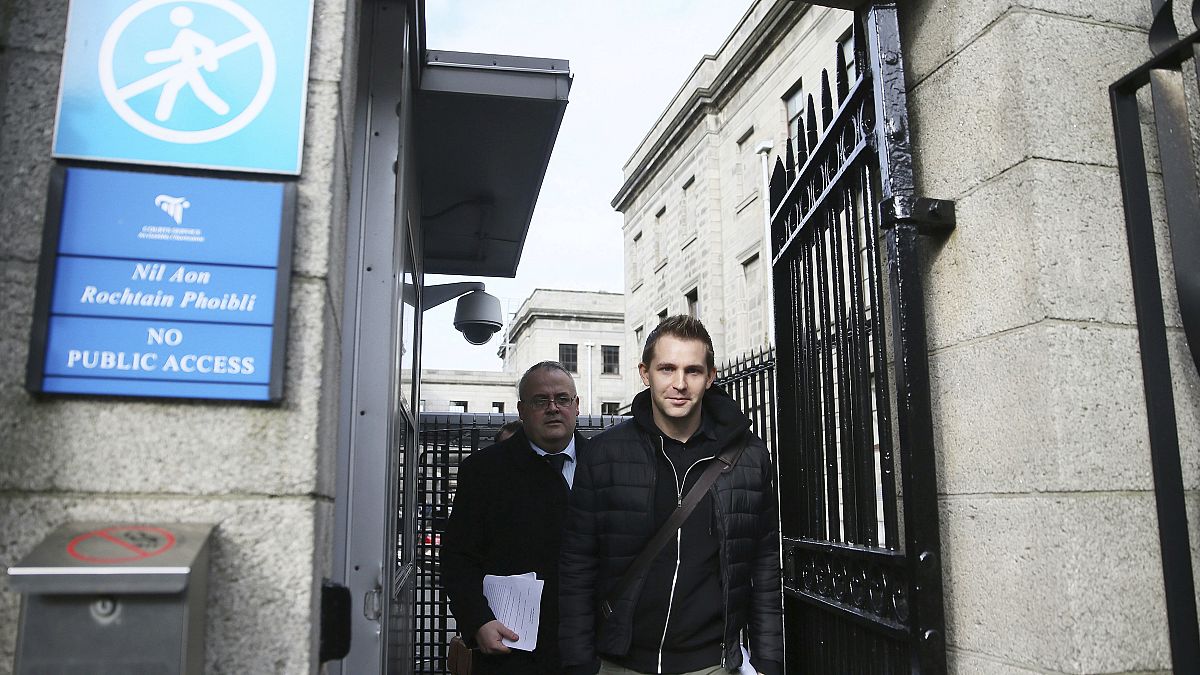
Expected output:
(523, 321)
(664, 137)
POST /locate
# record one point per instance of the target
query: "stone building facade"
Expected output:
(692, 198)
(259, 472)
(1049, 534)
(474, 391)
(584, 331)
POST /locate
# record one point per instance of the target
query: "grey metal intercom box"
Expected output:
(108, 598)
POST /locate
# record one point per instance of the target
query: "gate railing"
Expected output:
(862, 570)
(1163, 74)
(445, 440)
(750, 380)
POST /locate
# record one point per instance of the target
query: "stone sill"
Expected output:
(749, 199)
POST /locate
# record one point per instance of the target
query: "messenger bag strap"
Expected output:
(724, 462)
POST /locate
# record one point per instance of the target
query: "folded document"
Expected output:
(517, 603)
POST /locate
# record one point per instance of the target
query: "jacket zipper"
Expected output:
(678, 549)
(721, 565)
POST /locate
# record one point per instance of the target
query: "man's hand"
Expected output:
(489, 634)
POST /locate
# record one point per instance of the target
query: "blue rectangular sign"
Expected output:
(213, 84)
(132, 349)
(163, 290)
(164, 285)
(122, 214)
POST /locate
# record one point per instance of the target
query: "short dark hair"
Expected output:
(683, 327)
(544, 365)
(508, 429)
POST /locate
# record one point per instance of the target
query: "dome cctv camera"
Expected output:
(478, 316)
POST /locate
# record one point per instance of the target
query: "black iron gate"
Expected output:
(750, 380)
(858, 491)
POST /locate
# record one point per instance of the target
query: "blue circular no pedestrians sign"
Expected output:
(200, 83)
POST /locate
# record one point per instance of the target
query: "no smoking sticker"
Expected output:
(121, 544)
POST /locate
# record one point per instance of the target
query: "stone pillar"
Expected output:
(1049, 534)
(263, 474)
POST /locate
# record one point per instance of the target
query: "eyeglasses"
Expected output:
(543, 402)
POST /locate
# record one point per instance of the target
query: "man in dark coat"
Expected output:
(507, 520)
(718, 576)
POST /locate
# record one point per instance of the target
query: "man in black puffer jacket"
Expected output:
(719, 575)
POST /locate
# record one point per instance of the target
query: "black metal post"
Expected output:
(1156, 375)
(914, 417)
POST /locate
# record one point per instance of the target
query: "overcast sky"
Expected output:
(629, 58)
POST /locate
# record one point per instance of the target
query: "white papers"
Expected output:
(517, 602)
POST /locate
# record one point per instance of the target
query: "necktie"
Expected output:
(557, 461)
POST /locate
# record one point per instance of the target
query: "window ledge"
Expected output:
(749, 199)
(661, 264)
(689, 242)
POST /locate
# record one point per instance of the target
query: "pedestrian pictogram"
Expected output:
(200, 83)
(191, 51)
(190, 61)
(121, 544)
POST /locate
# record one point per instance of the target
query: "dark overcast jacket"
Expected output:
(613, 515)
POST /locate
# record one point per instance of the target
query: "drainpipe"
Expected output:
(589, 346)
(764, 151)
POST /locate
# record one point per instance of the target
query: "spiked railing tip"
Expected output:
(811, 123)
(801, 143)
(826, 101)
(1163, 32)
(789, 162)
(778, 184)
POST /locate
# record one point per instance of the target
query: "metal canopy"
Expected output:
(485, 127)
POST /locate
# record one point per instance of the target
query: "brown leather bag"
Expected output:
(458, 657)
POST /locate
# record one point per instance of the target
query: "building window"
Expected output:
(846, 46)
(611, 357)
(753, 294)
(662, 316)
(635, 262)
(639, 337)
(568, 356)
(687, 212)
(458, 406)
(745, 182)
(498, 407)
(693, 302)
(793, 102)
(609, 408)
(660, 235)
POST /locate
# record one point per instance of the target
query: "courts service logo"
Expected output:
(172, 206)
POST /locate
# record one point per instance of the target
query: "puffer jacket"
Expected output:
(611, 520)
